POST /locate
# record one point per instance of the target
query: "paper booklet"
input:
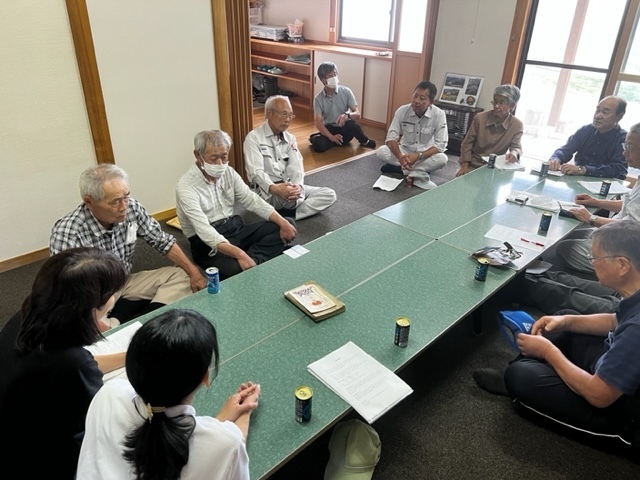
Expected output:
(387, 183)
(615, 189)
(543, 202)
(314, 301)
(115, 343)
(361, 381)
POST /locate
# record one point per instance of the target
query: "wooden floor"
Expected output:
(302, 126)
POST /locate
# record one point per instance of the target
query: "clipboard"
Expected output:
(314, 301)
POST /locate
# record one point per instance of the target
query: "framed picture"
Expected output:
(461, 89)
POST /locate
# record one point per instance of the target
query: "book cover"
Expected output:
(314, 301)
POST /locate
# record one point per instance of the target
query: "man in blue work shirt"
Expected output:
(597, 147)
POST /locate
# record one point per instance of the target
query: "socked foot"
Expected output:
(491, 380)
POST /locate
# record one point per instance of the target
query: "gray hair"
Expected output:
(326, 68)
(268, 105)
(211, 137)
(511, 92)
(635, 129)
(93, 179)
(620, 238)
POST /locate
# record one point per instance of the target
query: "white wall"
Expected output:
(472, 38)
(156, 64)
(315, 15)
(45, 140)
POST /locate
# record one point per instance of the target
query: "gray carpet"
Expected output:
(448, 428)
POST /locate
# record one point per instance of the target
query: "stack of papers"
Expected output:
(543, 202)
(361, 381)
(314, 301)
(617, 188)
(387, 183)
(115, 343)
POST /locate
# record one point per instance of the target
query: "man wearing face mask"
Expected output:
(205, 199)
(335, 112)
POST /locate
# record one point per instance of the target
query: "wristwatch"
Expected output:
(349, 115)
(592, 220)
(582, 170)
(420, 156)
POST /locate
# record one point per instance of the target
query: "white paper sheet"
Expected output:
(502, 164)
(516, 237)
(363, 382)
(552, 173)
(296, 251)
(594, 187)
(387, 183)
(115, 343)
(542, 202)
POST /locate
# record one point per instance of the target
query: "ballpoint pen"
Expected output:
(530, 241)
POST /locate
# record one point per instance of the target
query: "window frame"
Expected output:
(389, 44)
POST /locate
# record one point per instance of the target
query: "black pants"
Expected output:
(260, 240)
(349, 130)
(537, 386)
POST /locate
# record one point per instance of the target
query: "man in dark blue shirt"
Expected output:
(597, 147)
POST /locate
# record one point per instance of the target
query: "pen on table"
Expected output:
(530, 241)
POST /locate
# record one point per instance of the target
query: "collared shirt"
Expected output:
(332, 106)
(487, 135)
(272, 159)
(419, 133)
(200, 203)
(216, 449)
(631, 205)
(81, 229)
(600, 153)
(619, 366)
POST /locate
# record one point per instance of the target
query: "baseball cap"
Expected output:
(514, 322)
(355, 451)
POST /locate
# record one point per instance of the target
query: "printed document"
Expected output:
(115, 343)
(363, 382)
(387, 183)
(616, 188)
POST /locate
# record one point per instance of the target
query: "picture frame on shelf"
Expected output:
(461, 89)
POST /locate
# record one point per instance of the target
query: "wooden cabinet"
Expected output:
(459, 118)
(298, 78)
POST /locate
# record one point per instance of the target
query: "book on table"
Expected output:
(314, 301)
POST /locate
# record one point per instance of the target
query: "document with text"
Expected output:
(363, 382)
(115, 343)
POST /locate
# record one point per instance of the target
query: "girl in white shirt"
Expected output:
(146, 427)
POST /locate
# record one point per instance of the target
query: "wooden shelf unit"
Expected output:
(299, 77)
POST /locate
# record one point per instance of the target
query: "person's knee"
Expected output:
(438, 160)
(321, 144)
(518, 379)
(383, 153)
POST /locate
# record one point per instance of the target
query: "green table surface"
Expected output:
(434, 286)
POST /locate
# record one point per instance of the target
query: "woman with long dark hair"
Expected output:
(48, 379)
(146, 427)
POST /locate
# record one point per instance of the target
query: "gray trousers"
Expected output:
(553, 291)
(575, 250)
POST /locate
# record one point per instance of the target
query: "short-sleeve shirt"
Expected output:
(216, 449)
(332, 106)
(619, 366)
(81, 229)
(415, 133)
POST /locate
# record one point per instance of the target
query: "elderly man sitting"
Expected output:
(583, 371)
(494, 131)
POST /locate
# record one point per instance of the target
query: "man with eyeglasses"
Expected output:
(335, 113)
(110, 219)
(583, 371)
(274, 165)
(574, 250)
(598, 146)
(495, 131)
(206, 197)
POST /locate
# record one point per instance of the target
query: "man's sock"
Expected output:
(491, 380)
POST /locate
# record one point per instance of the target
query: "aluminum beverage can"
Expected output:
(481, 269)
(410, 182)
(492, 160)
(545, 221)
(303, 403)
(401, 337)
(604, 188)
(213, 280)
(544, 169)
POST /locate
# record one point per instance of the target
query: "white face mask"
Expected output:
(215, 171)
(332, 82)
